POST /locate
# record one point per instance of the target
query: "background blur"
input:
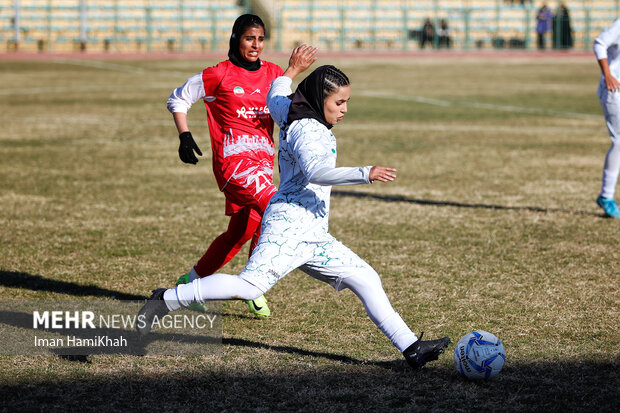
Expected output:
(144, 26)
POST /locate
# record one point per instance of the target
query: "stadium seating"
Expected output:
(198, 25)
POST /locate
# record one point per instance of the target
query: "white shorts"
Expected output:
(328, 260)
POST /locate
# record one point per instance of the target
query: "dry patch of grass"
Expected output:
(490, 225)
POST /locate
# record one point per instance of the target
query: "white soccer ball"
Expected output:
(479, 355)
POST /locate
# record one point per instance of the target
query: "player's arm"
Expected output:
(180, 101)
(611, 82)
(603, 41)
(352, 175)
(301, 59)
(277, 98)
(313, 153)
(278, 101)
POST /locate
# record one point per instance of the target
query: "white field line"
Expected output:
(464, 127)
(59, 89)
(96, 64)
(419, 99)
(117, 67)
(363, 126)
(489, 106)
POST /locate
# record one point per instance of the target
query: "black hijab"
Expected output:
(308, 99)
(243, 23)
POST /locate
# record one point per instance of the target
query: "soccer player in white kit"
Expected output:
(606, 49)
(294, 232)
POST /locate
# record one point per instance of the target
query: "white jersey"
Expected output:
(606, 46)
(307, 162)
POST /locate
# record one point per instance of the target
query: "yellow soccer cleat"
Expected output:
(259, 307)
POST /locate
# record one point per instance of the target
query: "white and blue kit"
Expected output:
(607, 46)
(297, 216)
(294, 231)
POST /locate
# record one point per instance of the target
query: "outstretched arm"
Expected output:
(351, 175)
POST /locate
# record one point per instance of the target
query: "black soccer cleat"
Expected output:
(421, 352)
(155, 307)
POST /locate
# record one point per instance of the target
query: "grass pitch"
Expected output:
(490, 225)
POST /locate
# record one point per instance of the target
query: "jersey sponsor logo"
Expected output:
(254, 179)
(238, 91)
(253, 113)
(256, 91)
(235, 145)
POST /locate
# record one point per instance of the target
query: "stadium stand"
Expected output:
(198, 25)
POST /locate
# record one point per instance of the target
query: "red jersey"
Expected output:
(239, 122)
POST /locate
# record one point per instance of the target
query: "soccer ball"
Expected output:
(479, 355)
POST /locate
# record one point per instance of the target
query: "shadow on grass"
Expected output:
(38, 283)
(400, 198)
(315, 354)
(304, 385)
(173, 342)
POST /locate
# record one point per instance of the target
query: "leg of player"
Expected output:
(258, 306)
(610, 177)
(334, 263)
(242, 227)
(367, 286)
(214, 287)
(611, 109)
(257, 277)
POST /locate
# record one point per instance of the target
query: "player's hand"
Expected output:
(187, 148)
(382, 174)
(612, 83)
(301, 59)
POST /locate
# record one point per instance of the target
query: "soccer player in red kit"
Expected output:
(234, 93)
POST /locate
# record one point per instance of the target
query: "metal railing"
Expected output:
(199, 25)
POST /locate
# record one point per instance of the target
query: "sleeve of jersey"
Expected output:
(317, 162)
(182, 98)
(326, 176)
(278, 101)
(607, 38)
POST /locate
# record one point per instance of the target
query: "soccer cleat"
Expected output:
(609, 206)
(184, 279)
(259, 307)
(421, 352)
(155, 307)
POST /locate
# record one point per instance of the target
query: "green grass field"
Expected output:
(490, 225)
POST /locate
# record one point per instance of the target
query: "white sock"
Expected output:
(213, 287)
(171, 300)
(610, 171)
(610, 178)
(397, 331)
(367, 286)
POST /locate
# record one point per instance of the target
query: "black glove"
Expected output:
(187, 148)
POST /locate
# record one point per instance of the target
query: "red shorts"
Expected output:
(250, 185)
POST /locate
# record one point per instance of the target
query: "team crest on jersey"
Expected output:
(238, 91)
